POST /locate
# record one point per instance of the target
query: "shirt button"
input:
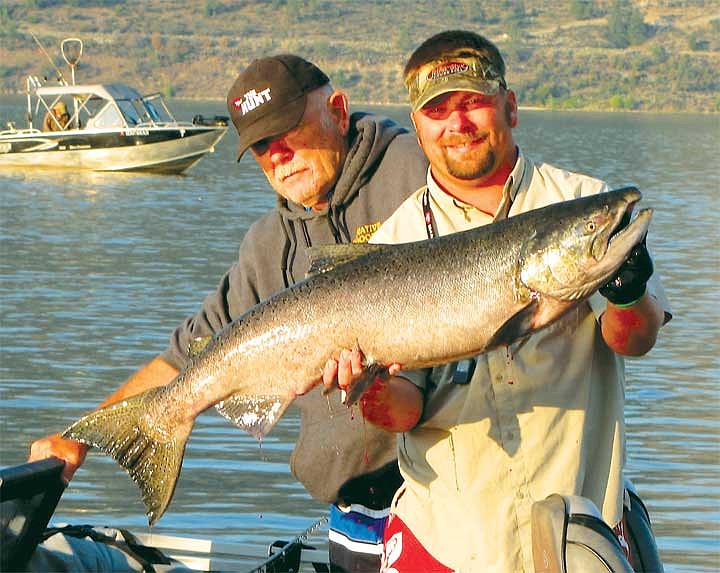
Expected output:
(498, 377)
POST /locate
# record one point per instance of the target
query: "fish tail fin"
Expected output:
(150, 454)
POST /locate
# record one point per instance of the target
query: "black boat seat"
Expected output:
(570, 536)
(29, 494)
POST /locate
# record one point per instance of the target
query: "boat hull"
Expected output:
(157, 150)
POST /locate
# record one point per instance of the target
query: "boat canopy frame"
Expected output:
(98, 106)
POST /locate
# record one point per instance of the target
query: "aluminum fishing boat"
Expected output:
(568, 535)
(106, 127)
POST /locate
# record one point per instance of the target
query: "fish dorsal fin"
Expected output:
(255, 414)
(326, 257)
(197, 345)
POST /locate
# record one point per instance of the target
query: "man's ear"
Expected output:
(417, 134)
(338, 106)
(511, 109)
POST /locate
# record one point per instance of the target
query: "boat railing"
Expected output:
(34, 82)
(40, 107)
(12, 130)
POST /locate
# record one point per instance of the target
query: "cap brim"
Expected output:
(272, 124)
(456, 84)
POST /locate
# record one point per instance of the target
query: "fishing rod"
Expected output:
(276, 560)
(60, 76)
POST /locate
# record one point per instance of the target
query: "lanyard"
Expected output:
(428, 215)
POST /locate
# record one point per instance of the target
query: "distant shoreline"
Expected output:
(403, 105)
(520, 107)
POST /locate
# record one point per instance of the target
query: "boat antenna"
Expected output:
(60, 76)
(71, 49)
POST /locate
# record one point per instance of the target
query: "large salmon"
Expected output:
(417, 304)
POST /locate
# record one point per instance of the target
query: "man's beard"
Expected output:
(474, 166)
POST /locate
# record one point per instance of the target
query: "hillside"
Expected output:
(652, 55)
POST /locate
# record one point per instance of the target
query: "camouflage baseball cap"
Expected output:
(449, 73)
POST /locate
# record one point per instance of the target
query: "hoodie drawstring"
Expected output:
(331, 219)
(340, 217)
(305, 232)
(285, 265)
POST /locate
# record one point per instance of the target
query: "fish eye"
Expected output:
(590, 226)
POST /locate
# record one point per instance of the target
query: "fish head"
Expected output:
(583, 244)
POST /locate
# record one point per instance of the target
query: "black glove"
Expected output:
(629, 283)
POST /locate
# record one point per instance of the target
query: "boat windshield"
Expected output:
(101, 113)
(145, 110)
(98, 112)
(157, 109)
(130, 111)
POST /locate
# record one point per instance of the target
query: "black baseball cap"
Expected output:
(268, 97)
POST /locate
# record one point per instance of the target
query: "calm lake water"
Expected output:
(97, 269)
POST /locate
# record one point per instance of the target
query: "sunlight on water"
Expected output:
(98, 268)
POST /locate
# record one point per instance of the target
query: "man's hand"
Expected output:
(628, 285)
(393, 403)
(156, 373)
(71, 452)
(632, 320)
(348, 369)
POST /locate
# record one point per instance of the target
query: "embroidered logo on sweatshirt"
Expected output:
(364, 232)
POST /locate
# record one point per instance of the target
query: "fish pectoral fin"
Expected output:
(372, 371)
(257, 415)
(152, 457)
(521, 324)
(326, 257)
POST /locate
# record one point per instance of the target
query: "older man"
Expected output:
(337, 177)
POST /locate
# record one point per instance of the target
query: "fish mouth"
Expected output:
(626, 232)
(571, 262)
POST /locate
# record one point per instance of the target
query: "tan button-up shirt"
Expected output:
(542, 416)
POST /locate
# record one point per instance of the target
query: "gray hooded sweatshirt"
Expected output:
(337, 457)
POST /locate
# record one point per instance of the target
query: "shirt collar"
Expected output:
(512, 186)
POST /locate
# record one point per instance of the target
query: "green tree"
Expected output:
(626, 25)
(659, 54)
(618, 101)
(582, 9)
(694, 43)
(7, 23)
(210, 8)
